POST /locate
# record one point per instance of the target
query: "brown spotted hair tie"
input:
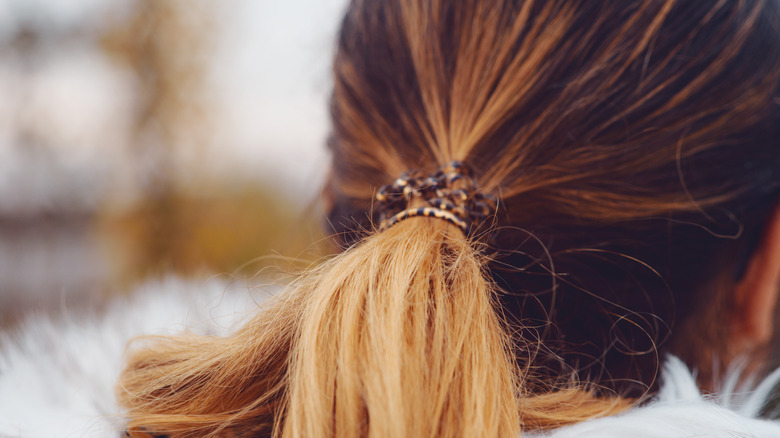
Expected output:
(450, 194)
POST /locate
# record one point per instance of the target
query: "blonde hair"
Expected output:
(399, 336)
(556, 106)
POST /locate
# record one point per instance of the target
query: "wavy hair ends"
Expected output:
(398, 336)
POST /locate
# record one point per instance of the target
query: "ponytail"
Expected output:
(398, 336)
(401, 338)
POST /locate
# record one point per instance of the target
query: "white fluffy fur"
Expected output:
(57, 374)
(681, 411)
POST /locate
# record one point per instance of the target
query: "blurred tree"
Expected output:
(166, 45)
(47, 252)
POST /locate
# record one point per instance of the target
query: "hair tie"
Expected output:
(450, 194)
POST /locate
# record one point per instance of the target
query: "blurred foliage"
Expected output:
(166, 45)
(234, 233)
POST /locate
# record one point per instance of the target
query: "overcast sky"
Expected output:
(275, 69)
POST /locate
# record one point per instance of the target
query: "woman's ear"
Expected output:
(757, 292)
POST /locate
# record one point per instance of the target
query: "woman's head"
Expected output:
(633, 148)
(634, 145)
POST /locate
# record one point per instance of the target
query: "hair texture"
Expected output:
(634, 148)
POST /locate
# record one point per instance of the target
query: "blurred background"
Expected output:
(140, 138)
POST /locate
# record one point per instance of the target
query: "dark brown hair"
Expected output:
(634, 147)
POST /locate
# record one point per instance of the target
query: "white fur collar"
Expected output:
(57, 374)
(681, 411)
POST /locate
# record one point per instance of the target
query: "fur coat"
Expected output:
(57, 373)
